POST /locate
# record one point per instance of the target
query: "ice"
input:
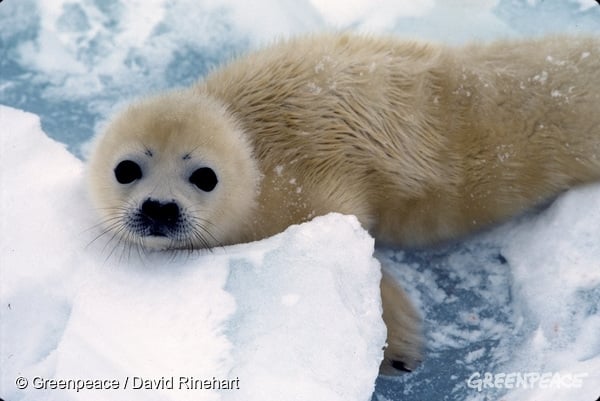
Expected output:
(555, 263)
(376, 14)
(279, 318)
(343, 289)
(522, 299)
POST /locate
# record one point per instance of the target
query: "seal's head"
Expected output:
(174, 171)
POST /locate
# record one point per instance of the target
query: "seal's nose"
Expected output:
(160, 213)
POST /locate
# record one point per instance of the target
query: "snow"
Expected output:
(376, 13)
(295, 316)
(560, 251)
(233, 313)
(523, 299)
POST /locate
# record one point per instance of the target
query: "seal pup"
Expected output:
(424, 143)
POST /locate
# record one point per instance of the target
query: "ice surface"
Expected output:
(284, 316)
(555, 262)
(524, 298)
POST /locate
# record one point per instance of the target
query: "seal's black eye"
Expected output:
(204, 178)
(127, 172)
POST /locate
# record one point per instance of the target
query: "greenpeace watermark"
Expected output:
(487, 380)
(128, 383)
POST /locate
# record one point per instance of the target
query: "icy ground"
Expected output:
(522, 299)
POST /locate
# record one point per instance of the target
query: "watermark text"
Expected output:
(128, 383)
(488, 380)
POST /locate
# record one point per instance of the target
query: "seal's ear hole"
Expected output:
(127, 172)
(204, 178)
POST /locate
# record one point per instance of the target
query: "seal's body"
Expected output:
(423, 143)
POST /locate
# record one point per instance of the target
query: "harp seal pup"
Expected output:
(424, 143)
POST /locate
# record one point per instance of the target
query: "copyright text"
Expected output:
(129, 383)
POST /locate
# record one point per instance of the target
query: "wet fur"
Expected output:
(423, 143)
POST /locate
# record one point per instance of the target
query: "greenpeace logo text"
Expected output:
(486, 380)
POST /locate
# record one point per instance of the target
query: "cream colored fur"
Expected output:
(423, 143)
